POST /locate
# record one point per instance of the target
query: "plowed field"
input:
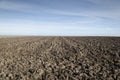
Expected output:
(60, 58)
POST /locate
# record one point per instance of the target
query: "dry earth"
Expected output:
(60, 58)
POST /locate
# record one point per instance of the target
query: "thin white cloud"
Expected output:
(54, 29)
(113, 12)
(96, 1)
(20, 7)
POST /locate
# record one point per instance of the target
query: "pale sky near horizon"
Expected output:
(60, 17)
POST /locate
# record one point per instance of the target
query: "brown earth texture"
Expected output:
(60, 58)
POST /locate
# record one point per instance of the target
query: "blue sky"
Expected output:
(60, 17)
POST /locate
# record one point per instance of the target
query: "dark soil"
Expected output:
(60, 58)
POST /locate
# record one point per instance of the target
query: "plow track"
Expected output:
(60, 58)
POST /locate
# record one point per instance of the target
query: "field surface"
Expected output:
(60, 58)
